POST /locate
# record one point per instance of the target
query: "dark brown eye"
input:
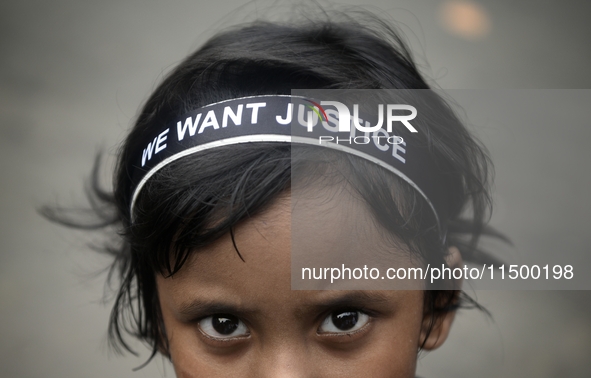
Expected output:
(223, 326)
(344, 321)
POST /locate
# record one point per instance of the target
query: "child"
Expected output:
(207, 220)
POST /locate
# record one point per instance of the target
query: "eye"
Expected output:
(223, 326)
(344, 321)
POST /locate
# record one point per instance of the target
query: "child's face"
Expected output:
(229, 318)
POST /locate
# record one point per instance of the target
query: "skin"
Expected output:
(284, 332)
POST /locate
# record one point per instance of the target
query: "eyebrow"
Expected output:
(201, 308)
(351, 299)
(197, 309)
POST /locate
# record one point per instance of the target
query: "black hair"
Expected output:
(183, 208)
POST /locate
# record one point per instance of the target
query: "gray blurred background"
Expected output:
(73, 74)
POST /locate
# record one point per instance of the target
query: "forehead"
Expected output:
(329, 224)
(333, 226)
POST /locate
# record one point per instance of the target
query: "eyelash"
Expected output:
(207, 328)
(363, 317)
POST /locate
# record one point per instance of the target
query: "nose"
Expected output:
(283, 361)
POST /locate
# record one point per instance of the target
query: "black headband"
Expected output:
(291, 119)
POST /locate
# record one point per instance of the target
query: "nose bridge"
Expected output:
(283, 358)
